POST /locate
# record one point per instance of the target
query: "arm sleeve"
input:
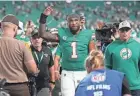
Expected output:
(108, 59)
(42, 30)
(43, 18)
(58, 51)
(91, 32)
(125, 87)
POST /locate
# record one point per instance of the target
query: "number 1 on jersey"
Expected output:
(73, 45)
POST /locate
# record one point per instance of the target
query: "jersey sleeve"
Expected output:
(58, 51)
(60, 33)
(90, 34)
(108, 58)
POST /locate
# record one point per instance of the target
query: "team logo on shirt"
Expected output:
(125, 53)
(46, 55)
(64, 37)
(100, 77)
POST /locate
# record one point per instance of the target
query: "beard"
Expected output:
(74, 31)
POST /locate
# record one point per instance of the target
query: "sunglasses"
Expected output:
(124, 29)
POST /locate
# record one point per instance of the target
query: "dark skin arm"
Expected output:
(42, 27)
(52, 77)
(56, 67)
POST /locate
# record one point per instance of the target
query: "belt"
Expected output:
(15, 83)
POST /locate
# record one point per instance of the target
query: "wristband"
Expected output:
(52, 82)
(43, 18)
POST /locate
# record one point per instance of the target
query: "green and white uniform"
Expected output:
(74, 48)
(25, 39)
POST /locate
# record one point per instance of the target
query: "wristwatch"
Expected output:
(52, 82)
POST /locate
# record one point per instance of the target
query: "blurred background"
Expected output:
(93, 11)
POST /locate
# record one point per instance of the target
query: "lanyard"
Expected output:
(37, 57)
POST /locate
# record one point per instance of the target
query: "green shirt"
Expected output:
(125, 57)
(74, 48)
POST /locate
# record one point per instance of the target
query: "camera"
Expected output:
(106, 32)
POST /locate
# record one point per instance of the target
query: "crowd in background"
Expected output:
(107, 12)
(94, 17)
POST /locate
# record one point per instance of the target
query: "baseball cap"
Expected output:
(124, 24)
(12, 19)
(73, 16)
(34, 32)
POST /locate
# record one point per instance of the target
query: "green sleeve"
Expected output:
(108, 63)
(91, 34)
(58, 51)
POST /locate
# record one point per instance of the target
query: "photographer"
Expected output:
(107, 34)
